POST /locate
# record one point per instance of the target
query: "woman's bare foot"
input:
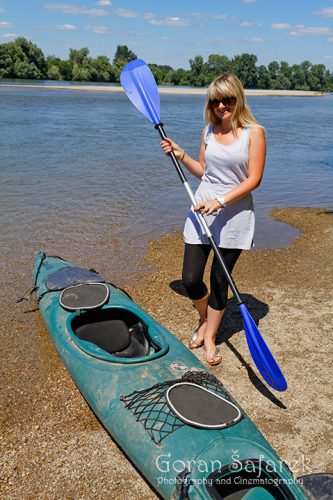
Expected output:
(197, 338)
(213, 356)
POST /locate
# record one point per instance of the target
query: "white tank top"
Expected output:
(226, 167)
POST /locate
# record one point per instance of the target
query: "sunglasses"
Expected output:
(226, 101)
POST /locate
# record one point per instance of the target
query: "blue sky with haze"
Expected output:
(171, 32)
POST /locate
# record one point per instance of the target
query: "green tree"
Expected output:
(199, 74)
(218, 64)
(34, 56)
(53, 73)
(281, 75)
(66, 69)
(303, 75)
(298, 78)
(81, 64)
(329, 82)
(285, 69)
(123, 55)
(162, 73)
(85, 68)
(25, 70)
(6, 62)
(319, 72)
(53, 68)
(81, 73)
(101, 69)
(273, 73)
(78, 56)
(244, 66)
(313, 82)
(22, 59)
(263, 77)
(282, 83)
(305, 67)
(180, 76)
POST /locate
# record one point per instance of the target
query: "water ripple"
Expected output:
(86, 170)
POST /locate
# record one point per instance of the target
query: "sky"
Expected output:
(174, 31)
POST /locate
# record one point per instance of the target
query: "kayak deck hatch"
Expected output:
(160, 418)
(84, 296)
(200, 407)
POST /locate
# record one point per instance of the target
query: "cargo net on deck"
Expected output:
(150, 407)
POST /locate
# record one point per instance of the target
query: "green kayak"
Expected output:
(172, 417)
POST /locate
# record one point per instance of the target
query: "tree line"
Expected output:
(23, 59)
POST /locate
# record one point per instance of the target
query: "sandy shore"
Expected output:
(54, 447)
(169, 90)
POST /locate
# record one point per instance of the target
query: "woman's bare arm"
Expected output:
(195, 167)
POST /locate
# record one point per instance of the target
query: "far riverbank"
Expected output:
(168, 90)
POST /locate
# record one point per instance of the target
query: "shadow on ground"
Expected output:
(231, 324)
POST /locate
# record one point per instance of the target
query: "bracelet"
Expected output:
(182, 155)
(221, 201)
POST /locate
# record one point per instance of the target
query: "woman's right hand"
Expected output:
(169, 145)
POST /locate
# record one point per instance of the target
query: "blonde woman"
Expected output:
(230, 166)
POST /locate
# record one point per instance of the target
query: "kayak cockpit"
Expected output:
(115, 334)
(249, 479)
(116, 331)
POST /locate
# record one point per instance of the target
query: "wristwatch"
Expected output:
(221, 201)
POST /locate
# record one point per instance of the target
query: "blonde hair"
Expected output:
(228, 85)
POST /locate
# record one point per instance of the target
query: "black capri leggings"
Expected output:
(195, 259)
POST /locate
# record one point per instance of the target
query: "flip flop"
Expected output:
(193, 344)
(215, 359)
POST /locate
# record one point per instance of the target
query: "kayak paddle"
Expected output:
(140, 87)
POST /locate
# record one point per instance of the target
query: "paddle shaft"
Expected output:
(201, 218)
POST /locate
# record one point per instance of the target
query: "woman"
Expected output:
(230, 166)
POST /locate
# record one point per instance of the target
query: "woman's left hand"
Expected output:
(208, 207)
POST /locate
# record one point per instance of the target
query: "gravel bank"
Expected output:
(54, 447)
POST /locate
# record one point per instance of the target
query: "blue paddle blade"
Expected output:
(140, 87)
(261, 354)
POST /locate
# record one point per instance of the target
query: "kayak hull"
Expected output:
(187, 460)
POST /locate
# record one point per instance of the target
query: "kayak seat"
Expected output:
(116, 331)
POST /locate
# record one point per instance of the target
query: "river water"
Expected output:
(82, 173)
